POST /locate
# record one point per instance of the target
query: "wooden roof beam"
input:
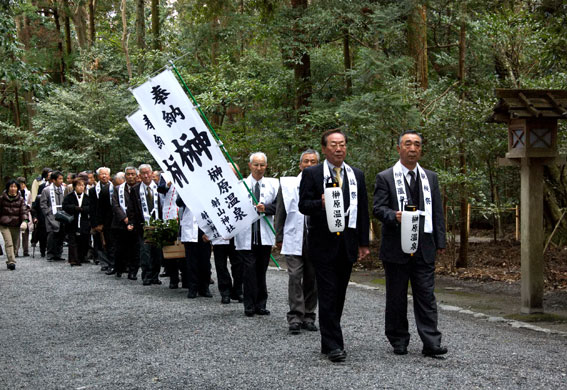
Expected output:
(535, 112)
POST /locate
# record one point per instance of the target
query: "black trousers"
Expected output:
(332, 274)
(78, 246)
(40, 235)
(228, 286)
(55, 243)
(198, 264)
(127, 251)
(255, 264)
(422, 278)
(105, 251)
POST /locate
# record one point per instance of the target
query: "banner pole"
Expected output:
(223, 149)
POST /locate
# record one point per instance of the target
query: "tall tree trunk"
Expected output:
(462, 261)
(301, 68)
(156, 42)
(92, 32)
(347, 62)
(67, 25)
(125, 38)
(417, 41)
(140, 25)
(79, 16)
(59, 43)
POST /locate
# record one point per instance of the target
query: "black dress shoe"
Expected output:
(132, 277)
(173, 286)
(294, 328)
(263, 312)
(146, 283)
(337, 355)
(400, 349)
(225, 299)
(310, 326)
(105, 268)
(237, 297)
(11, 266)
(191, 294)
(248, 313)
(156, 281)
(119, 274)
(434, 351)
(206, 293)
(111, 271)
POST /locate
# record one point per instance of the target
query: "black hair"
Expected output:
(329, 132)
(45, 172)
(409, 132)
(55, 175)
(10, 182)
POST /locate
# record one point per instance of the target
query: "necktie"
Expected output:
(338, 176)
(256, 228)
(412, 180)
(150, 199)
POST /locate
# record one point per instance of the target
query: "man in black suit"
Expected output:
(334, 254)
(127, 247)
(408, 183)
(100, 210)
(145, 205)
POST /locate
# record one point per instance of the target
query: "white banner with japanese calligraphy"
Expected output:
(188, 151)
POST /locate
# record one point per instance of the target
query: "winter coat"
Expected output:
(13, 211)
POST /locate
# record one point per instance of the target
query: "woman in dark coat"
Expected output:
(76, 203)
(13, 217)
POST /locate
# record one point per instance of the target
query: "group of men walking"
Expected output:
(319, 261)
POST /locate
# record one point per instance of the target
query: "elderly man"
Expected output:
(145, 206)
(334, 254)
(127, 256)
(408, 183)
(51, 200)
(39, 234)
(290, 238)
(100, 210)
(255, 243)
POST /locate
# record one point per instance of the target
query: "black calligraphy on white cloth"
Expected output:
(191, 150)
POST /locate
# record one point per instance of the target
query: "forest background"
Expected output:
(272, 75)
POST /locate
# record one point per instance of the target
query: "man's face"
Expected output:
(146, 176)
(69, 179)
(91, 178)
(103, 176)
(155, 177)
(131, 177)
(410, 150)
(308, 160)
(335, 151)
(58, 181)
(257, 167)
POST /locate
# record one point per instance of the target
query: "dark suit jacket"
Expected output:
(385, 207)
(135, 213)
(119, 214)
(321, 242)
(101, 213)
(71, 206)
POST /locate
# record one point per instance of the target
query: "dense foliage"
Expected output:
(272, 75)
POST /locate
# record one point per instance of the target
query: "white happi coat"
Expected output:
(189, 227)
(294, 221)
(268, 193)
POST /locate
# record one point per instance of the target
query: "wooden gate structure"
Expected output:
(531, 115)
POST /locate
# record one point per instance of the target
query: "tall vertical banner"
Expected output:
(171, 128)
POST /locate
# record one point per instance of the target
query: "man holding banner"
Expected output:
(333, 253)
(408, 186)
(255, 242)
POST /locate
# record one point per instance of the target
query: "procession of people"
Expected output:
(319, 220)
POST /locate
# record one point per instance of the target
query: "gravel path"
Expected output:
(76, 328)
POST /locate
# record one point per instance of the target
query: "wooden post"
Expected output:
(532, 235)
(468, 219)
(517, 223)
